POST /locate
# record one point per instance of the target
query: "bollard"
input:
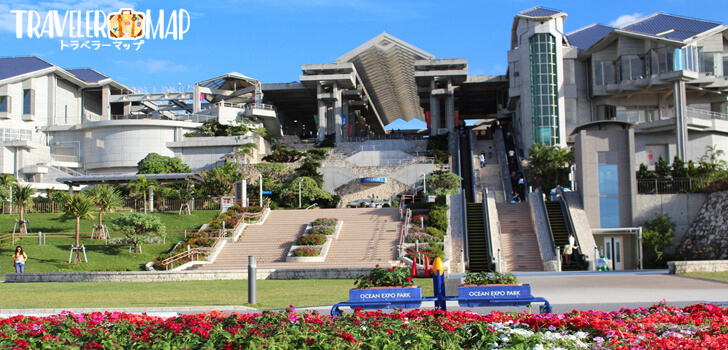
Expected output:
(558, 259)
(39, 236)
(252, 279)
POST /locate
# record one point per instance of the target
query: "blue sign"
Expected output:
(398, 297)
(377, 180)
(267, 192)
(494, 295)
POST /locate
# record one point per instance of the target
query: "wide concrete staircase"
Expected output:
(369, 236)
(518, 240)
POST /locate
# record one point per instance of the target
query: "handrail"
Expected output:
(466, 247)
(486, 222)
(402, 232)
(539, 192)
(569, 221)
(312, 206)
(193, 254)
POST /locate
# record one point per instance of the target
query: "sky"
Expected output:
(269, 40)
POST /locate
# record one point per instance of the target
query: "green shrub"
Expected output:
(322, 230)
(483, 278)
(391, 277)
(324, 222)
(438, 219)
(434, 231)
(306, 251)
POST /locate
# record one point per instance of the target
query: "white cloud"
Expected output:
(625, 19)
(7, 19)
(151, 65)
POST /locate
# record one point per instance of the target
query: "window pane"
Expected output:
(3, 103)
(27, 102)
(609, 212)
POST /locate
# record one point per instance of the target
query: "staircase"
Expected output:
(559, 231)
(518, 240)
(478, 250)
(369, 236)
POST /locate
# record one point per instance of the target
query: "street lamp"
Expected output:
(300, 180)
(260, 181)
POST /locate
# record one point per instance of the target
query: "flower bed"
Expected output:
(379, 277)
(306, 251)
(313, 245)
(322, 230)
(658, 327)
(311, 239)
(325, 222)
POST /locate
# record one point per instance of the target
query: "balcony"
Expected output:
(704, 114)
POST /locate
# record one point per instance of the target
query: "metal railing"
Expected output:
(7, 134)
(193, 254)
(403, 231)
(705, 114)
(570, 227)
(672, 186)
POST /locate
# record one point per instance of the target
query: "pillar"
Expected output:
(345, 114)
(196, 100)
(322, 115)
(336, 116)
(106, 105)
(681, 128)
(434, 111)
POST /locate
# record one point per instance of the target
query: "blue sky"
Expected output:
(270, 39)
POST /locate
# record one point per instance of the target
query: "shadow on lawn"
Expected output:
(100, 249)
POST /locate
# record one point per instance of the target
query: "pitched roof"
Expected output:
(585, 37)
(87, 74)
(14, 66)
(670, 26)
(539, 11)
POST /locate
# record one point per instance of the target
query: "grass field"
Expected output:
(53, 256)
(716, 276)
(272, 294)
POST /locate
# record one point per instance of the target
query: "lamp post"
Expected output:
(424, 183)
(300, 180)
(260, 181)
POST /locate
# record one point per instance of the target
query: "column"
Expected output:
(450, 107)
(681, 128)
(336, 115)
(345, 114)
(322, 115)
(196, 100)
(105, 104)
(434, 111)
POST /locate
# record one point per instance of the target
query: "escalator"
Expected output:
(478, 250)
(466, 163)
(560, 233)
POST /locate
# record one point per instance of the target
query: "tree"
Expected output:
(139, 227)
(548, 164)
(310, 193)
(662, 168)
(219, 181)
(6, 181)
(710, 162)
(106, 198)
(443, 183)
(142, 185)
(658, 235)
(79, 206)
(23, 198)
(155, 163)
(679, 170)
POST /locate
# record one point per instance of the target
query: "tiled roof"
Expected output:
(539, 11)
(586, 37)
(670, 26)
(87, 74)
(14, 66)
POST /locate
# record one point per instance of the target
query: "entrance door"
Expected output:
(614, 251)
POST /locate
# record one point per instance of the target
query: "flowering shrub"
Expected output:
(659, 327)
(431, 251)
(391, 277)
(306, 251)
(483, 278)
(252, 209)
(416, 218)
(311, 239)
(230, 221)
(324, 222)
(322, 230)
(422, 237)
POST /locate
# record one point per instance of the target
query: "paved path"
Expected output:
(607, 291)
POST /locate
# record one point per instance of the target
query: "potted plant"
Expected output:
(492, 288)
(382, 288)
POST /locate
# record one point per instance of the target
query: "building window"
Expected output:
(662, 60)
(637, 114)
(28, 99)
(4, 104)
(608, 195)
(606, 112)
(604, 73)
(544, 104)
(631, 67)
(706, 62)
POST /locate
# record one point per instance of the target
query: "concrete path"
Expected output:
(567, 291)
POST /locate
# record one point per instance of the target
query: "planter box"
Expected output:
(494, 295)
(324, 248)
(385, 297)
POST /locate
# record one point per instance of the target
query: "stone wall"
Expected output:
(175, 276)
(456, 233)
(682, 208)
(681, 267)
(708, 235)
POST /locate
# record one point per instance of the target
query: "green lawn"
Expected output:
(272, 294)
(53, 256)
(717, 276)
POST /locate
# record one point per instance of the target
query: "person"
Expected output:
(372, 205)
(481, 157)
(19, 259)
(569, 250)
(572, 242)
(490, 152)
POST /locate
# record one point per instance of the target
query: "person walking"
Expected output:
(19, 259)
(490, 152)
(481, 158)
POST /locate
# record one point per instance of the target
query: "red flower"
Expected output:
(20, 344)
(348, 337)
(409, 279)
(309, 341)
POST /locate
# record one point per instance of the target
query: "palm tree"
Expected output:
(6, 181)
(142, 185)
(546, 164)
(79, 206)
(22, 196)
(106, 198)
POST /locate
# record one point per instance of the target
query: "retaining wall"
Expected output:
(175, 276)
(680, 267)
